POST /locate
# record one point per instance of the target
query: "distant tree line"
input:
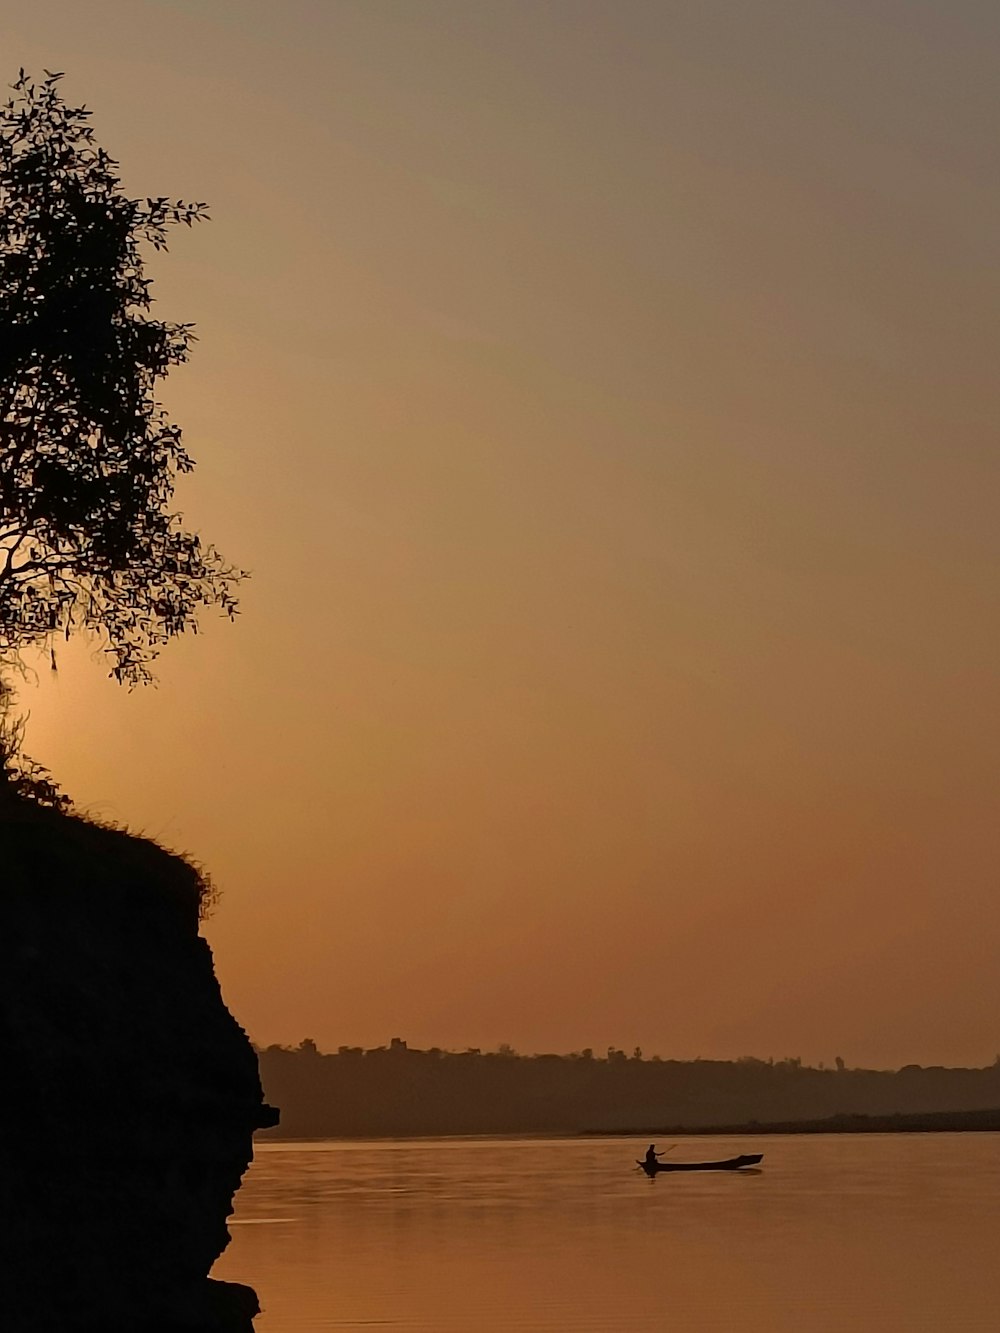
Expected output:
(395, 1089)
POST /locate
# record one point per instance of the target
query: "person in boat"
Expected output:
(652, 1155)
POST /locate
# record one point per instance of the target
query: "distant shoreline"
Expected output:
(933, 1122)
(397, 1090)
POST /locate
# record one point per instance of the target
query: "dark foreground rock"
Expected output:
(129, 1092)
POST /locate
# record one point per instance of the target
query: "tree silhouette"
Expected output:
(88, 457)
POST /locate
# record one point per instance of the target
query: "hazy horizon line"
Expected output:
(613, 1054)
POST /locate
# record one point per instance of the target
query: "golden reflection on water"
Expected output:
(894, 1233)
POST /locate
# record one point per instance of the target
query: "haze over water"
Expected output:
(837, 1234)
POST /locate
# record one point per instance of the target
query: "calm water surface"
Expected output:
(837, 1233)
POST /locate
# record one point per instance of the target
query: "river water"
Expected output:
(894, 1233)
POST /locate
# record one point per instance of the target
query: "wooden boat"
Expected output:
(730, 1164)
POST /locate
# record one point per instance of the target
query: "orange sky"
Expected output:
(604, 396)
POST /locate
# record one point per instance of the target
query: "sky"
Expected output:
(603, 396)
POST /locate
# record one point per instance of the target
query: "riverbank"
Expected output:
(939, 1122)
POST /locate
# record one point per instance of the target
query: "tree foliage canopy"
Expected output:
(88, 456)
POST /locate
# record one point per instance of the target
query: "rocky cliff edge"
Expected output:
(130, 1093)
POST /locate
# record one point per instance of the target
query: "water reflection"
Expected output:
(837, 1233)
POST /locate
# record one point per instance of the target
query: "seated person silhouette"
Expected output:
(652, 1155)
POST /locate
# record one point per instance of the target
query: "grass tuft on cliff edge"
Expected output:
(30, 797)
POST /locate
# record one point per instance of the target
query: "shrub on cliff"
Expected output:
(88, 457)
(21, 778)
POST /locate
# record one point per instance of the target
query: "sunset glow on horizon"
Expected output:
(603, 397)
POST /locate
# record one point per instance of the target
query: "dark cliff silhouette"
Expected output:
(131, 1094)
(397, 1090)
